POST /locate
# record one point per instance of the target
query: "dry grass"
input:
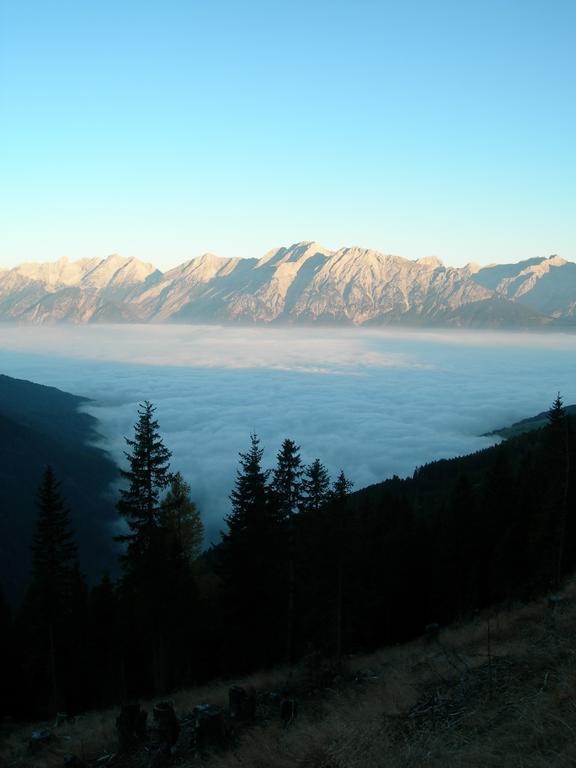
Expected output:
(458, 702)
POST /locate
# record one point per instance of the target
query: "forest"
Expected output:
(304, 566)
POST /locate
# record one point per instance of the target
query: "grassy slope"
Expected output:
(459, 701)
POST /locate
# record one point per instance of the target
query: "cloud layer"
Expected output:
(373, 402)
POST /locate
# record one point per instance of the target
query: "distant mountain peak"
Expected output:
(430, 261)
(302, 282)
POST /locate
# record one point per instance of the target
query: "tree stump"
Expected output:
(130, 727)
(39, 739)
(287, 711)
(209, 726)
(73, 761)
(167, 723)
(242, 703)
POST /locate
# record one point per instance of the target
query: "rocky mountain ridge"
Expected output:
(304, 283)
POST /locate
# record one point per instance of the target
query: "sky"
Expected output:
(163, 130)
(372, 402)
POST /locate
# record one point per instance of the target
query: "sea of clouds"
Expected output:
(373, 402)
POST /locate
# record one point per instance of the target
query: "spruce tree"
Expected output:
(558, 436)
(147, 589)
(341, 489)
(287, 486)
(181, 519)
(7, 655)
(54, 551)
(148, 475)
(250, 497)
(49, 612)
(287, 478)
(249, 562)
(315, 487)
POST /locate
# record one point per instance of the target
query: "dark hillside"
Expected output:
(39, 426)
(456, 537)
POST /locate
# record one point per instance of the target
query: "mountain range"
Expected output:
(304, 283)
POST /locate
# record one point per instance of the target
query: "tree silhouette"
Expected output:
(54, 551)
(51, 599)
(181, 519)
(250, 564)
(559, 465)
(148, 475)
(287, 486)
(315, 487)
(340, 491)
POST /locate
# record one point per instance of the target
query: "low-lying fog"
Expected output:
(373, 402)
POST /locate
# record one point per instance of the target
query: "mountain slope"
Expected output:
(547, 285)
(304, 283)
(39, 426)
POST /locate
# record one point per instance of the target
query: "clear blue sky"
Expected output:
(162, 129)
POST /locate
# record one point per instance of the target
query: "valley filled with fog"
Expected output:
(373, 402)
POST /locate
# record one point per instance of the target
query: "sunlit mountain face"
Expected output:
(304, 283)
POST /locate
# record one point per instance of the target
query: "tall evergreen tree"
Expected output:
(315, 487)
(7, 653)
(54, 553)
(341, 488)
(147, 594)
(49, 612)
(148, 475)
(250, 497)
(181, 519)
(287, 478)
(559, 466)
(250, 565)
(340, 492)
(287, 486)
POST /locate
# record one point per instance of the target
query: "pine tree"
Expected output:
(315, 487)
(287, 486)
(181, 519)
(287, 478)
(103, 661)
(559, 467)
(148, 475)
(147, 590)
(49, 610)
(7, 654)
(341, 489)
(250, 497)
(557, 415)
(54, 552)
(249, 562)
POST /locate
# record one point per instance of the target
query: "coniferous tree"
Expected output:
(249, 497)
(181, 519)
(7, 653)
(249, 563)
(341, 489)
(287, 486)
(147, 586)
(148, 475)
(104, 664)
(54, 553)
(315, 487)
(287, 478)
(50, 603)
(559, 467)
